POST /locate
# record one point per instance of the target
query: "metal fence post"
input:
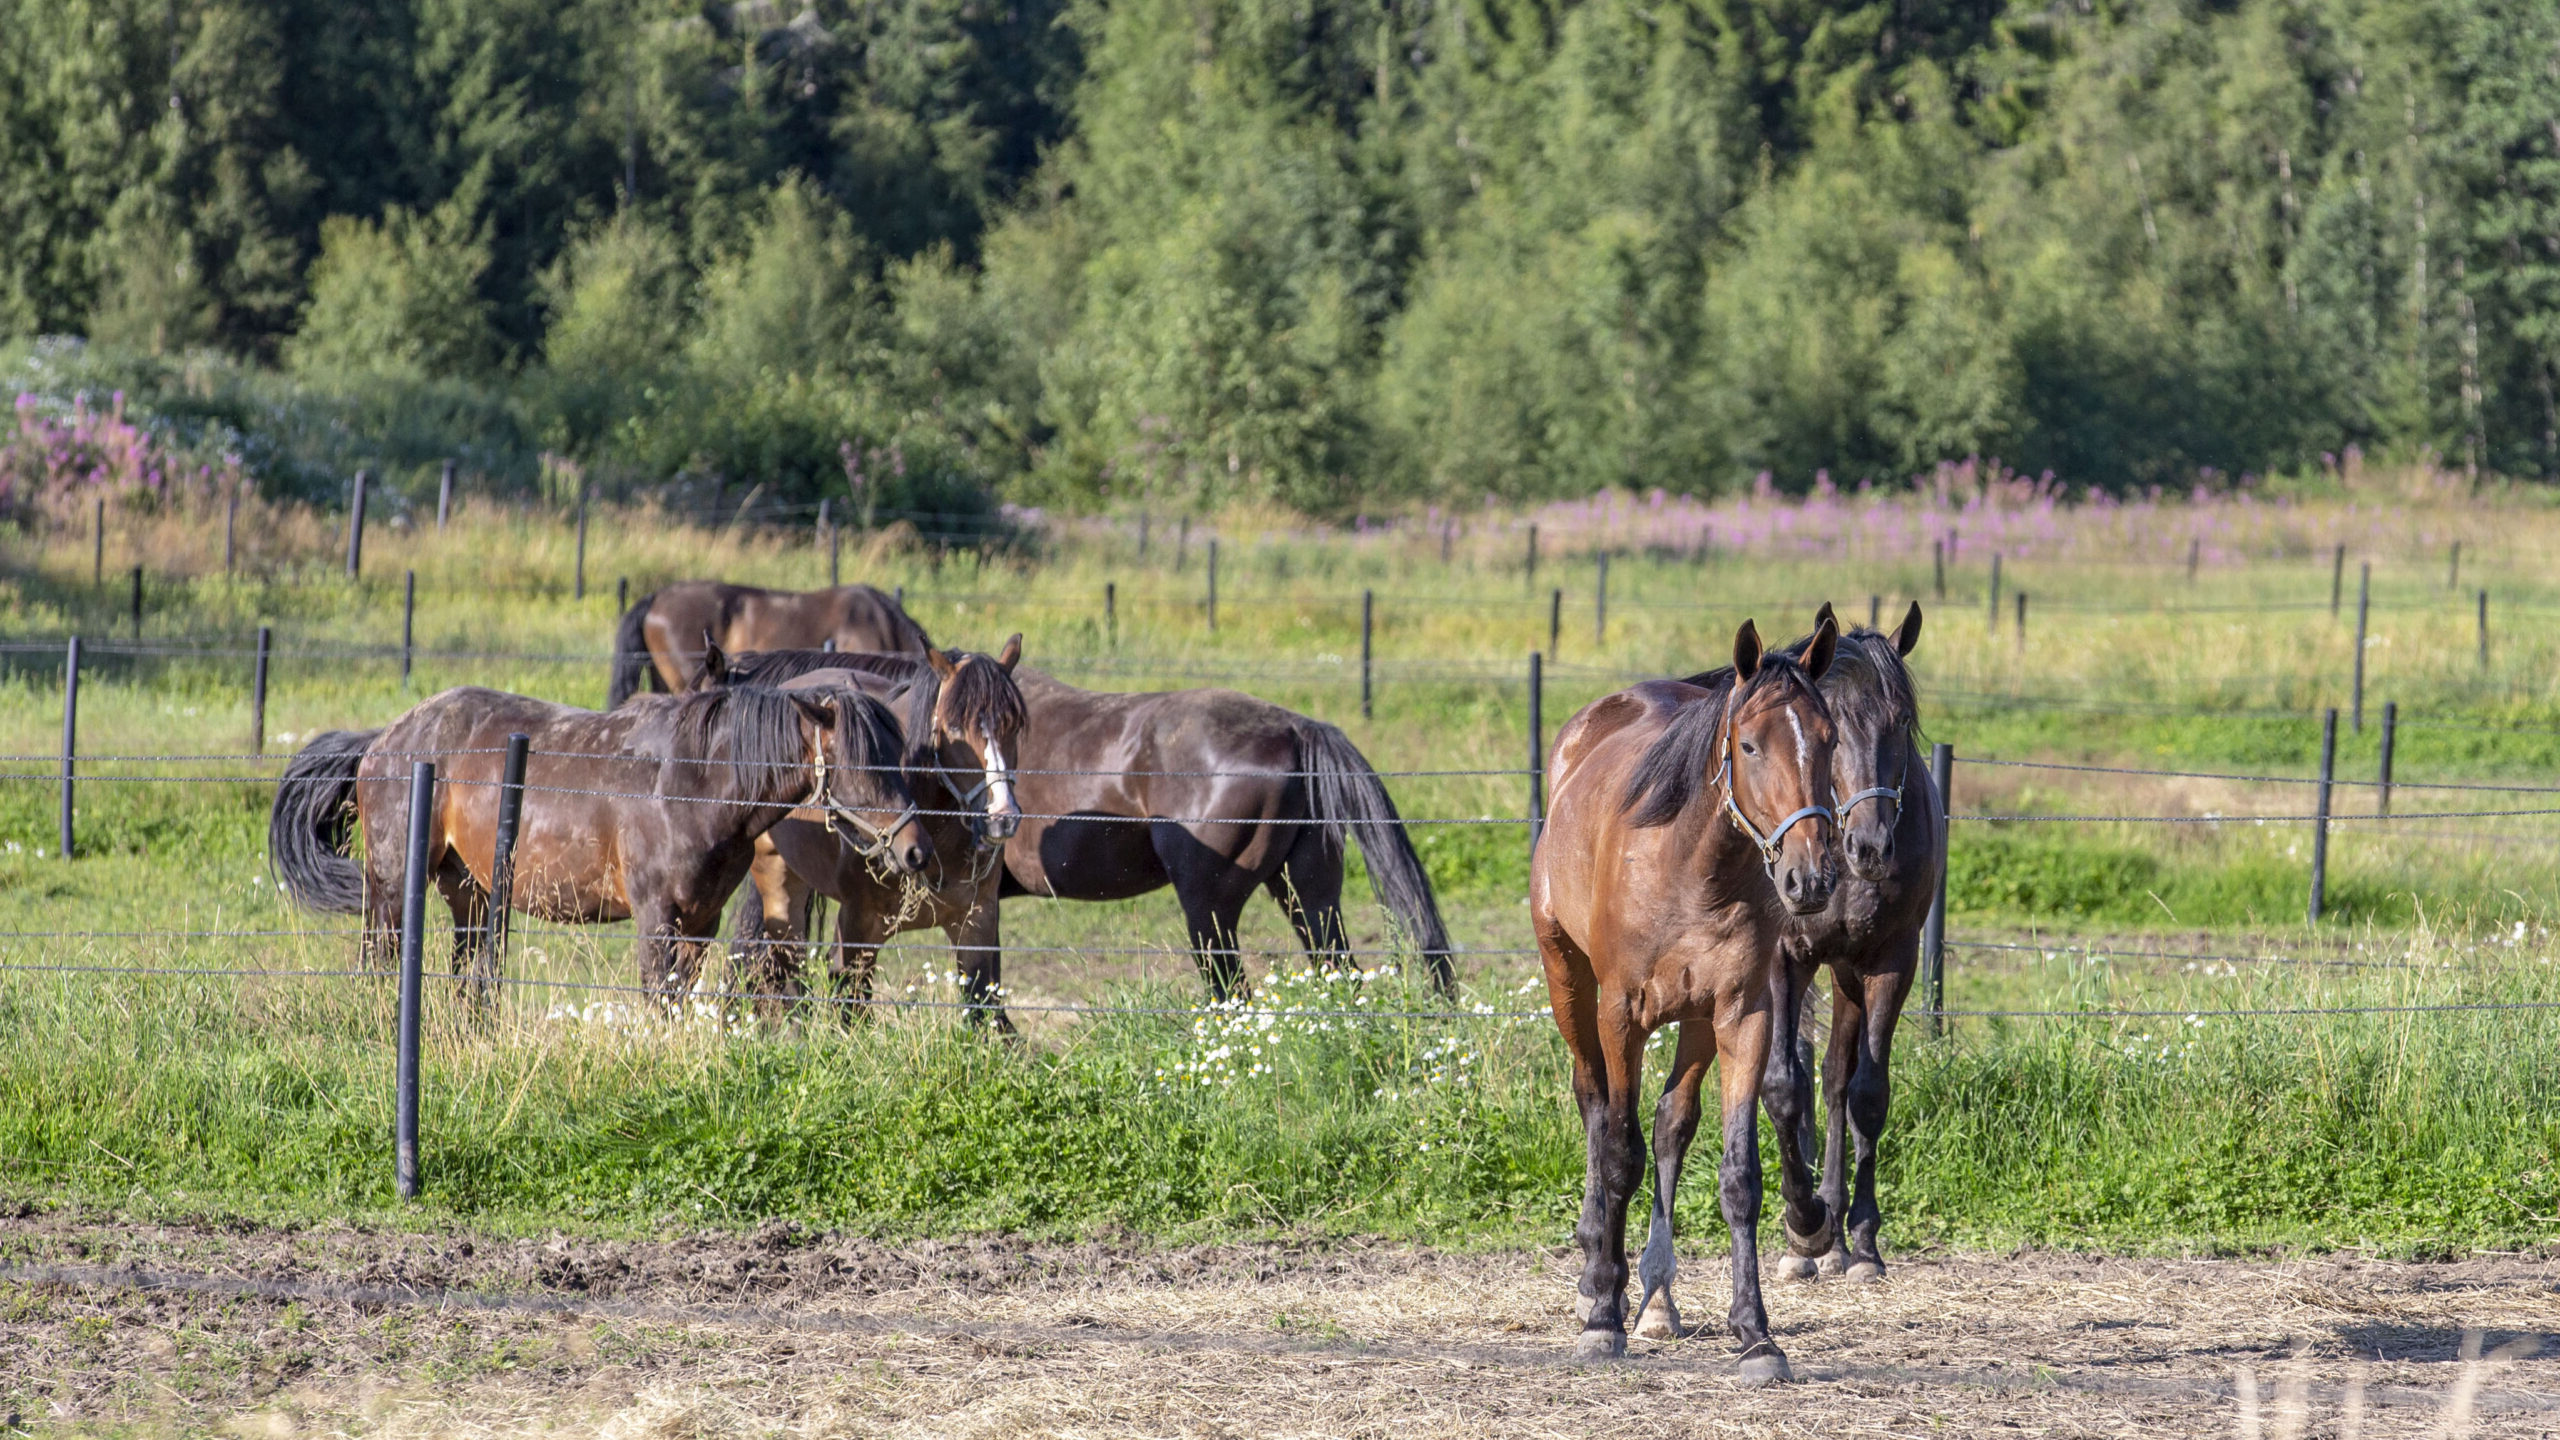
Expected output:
(1537, 749)
(1213, 584)
(578, 585)
(2195, 556)
(1368, 617)
(1533, 559)
(444, 495)
(1181, 544)
(355, 529)
(413, 949)
(98, 543)
(70, 732)
(1875, 610)
(2337, 579)
(2364, 602)
(231, 530)
(408, 624)
(1938, 565)
(502, 857)
(2022, 619)
(2484, 629)
(1111, 612)
(2390, 731)
(258, 692)
(2320, 826)
(1995, 592)
(137, 602)
(2453, 575)
(621, 594)
(1933, 932)
(1555, 620)
(1600, 605)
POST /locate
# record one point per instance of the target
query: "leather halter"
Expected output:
(1768, 844)
(1880, 792)
(878, 843)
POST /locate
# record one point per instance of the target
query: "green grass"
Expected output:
(271, 1097)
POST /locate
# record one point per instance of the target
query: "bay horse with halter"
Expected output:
(961, 720)
(1687, 820)
(649, 813)
(1869, 934)
(654, 646)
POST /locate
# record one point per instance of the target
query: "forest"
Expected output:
(1332, 255)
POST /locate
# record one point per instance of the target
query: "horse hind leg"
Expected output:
(475, 951)
(1308, 888)
(1869, 1101)
(1675, 1126)
(1786, 1091)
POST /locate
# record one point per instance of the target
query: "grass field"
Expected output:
(2374, 1126)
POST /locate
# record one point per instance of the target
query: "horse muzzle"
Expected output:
(912, 848)
(1869, 851)
(1806, 884)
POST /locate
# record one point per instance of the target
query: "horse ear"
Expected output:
(816, 709)
(1825, 614)
(941, 662)
(1907, 634)
(1826, 643)
(715, 666)
(1746, 653)
(1011, 654)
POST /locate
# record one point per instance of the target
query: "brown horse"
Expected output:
(656, 646)
(1686, 820)
(1869, 934)
(1215, 793)
(962, 719)
(650, 812)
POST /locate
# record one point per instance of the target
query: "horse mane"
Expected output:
(982, 694)
(763, 727)
(1674, 766)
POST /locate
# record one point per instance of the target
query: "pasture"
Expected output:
(2147, 1051)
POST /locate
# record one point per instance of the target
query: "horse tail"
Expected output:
(1346, 797)
(632, 667)
(311, 830)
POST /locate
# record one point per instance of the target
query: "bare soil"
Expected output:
(111, 1325)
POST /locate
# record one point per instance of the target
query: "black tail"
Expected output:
(1347, 796)
(311, 830)
(632, 667)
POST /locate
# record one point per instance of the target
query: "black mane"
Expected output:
(764, 731)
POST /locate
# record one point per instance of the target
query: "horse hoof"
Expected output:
(1833, 1263)
(1662, 1320)
(1866, 1271)
(1600, 1345)
(1764, 1367)
(1801, 1268)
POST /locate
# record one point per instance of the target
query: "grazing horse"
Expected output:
(650, 812)
(654, 645)
(1686, 821)
(1216, 794)
(1869, 934)
(962, 717)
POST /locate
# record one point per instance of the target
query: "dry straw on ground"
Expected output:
(789, 1334)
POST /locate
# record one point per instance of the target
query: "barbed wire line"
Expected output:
(2341, 783)
(2051, 952)
(2334, 818)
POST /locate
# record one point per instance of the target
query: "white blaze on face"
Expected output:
(1000, 802)
(1804, 760)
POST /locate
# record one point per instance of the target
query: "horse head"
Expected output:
(1872, 703)
(978, 719)
(1776, 762)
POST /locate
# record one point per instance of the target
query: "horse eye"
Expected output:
(1750, 749)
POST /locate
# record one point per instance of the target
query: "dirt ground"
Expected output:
(128, 1328)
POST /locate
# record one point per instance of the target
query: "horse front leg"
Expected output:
(1743, 1040)
(1869, 1100)
(1614, 1153)
(977, 947)
(1675, 1126)
(1786, 1090)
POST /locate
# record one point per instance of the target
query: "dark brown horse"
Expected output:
(650, 812)
(1869, 934)
(1687, 820)
(962, 720)
(1217, 794)
(658, 645)
(1212, 792)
